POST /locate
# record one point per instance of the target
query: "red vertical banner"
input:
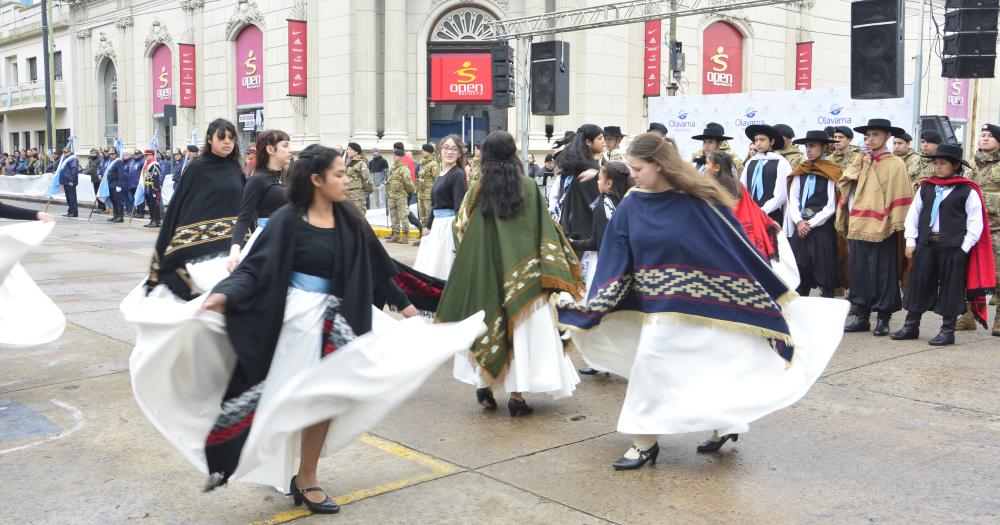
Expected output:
(651, 60)
(188, 76)
(803, 65)
(296, 58)
(722, 59)
(162, 81)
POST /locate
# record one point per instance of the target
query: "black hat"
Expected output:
(549, 158)
(192, 148)
(905, 136)
(879, 123)
(830, 129)
(993, 129)
(399, 152)
(355, 146)
(428, 148)
(948, 151)
(712, 131)
(846, 131)
(758, 129)
(785, 130)
(815, 135)
(613, 131)
(657, 127)
(931, 136)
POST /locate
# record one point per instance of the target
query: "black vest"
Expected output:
(769, 178)
(818, 200)
(951, 215)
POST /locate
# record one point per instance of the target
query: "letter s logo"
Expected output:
(250, 64)
(467, 73)
(163, 77)
(720, 60)
(956, 87)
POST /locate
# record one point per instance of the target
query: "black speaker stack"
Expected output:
(877, 49)
(550, 78)
(970, 45)
(503, 77)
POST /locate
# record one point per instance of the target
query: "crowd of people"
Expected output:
(689, 277)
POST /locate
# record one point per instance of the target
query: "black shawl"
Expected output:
(577, 216)
(199, 222)
(255, 309)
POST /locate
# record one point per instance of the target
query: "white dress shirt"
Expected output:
(794, 215)
(780, 186)
(973, 219)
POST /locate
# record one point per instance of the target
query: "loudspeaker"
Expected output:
(970, 44)
(976, 20)
(970, 66)
(170, 114)
(941, 124)
(550, 78)
(877, 49)
(958, 4)
(503, 77)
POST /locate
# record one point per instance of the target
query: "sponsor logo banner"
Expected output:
(188, 75)
(296, 58)
(461, 77)
(722, 59)
(651, 62)
(250, 67)
(163, 78)
(957, 98)
(803, 65)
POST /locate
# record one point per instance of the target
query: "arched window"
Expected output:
(110, 99)
(464, 24)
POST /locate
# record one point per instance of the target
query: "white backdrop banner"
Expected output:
(803, 110)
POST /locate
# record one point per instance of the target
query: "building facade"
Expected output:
(369, 66)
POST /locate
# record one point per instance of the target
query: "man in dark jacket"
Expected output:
(93, 171)
(69, 177)
(134, 165)
(117, 181)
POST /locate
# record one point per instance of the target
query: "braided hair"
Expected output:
(620, 176)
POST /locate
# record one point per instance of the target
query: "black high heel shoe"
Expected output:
(714, 446)
(485, 398)
(327, 506)
(649, 455)
(518, 408)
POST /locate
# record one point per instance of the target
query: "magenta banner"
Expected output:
(250, 67)
(297, 58)
(189, 80)
(163, 78)
(957, 98)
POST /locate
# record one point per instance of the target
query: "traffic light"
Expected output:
(503, 77)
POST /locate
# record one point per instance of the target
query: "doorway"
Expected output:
(471, 122)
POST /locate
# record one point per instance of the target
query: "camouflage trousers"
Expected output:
(425, 210)
(995, 237)
(399, 213)
(359, 198)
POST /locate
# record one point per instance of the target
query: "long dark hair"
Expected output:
(314, 159)
(460, 160)
(620, 176)
(577, 157)
(267, 138)
(218, 129)
(500, 190)
(726, 177)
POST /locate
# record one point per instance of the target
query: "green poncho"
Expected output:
(507, 268)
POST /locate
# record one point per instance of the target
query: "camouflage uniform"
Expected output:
(986, 173)
(429, 172)
(843, 159)
(359, 182)
(474, 175)
(399, 185)
(792, 154)
(910, 158)
(923, 168)
(724, 147)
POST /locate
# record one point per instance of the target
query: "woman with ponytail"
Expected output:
(685, 307)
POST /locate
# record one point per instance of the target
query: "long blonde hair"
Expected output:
(681, 175)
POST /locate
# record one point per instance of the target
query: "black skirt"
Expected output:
(874, 275)
(816, 257)
(937, 281)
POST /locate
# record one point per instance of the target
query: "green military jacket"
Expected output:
(358, 176)
(922, 169)
(793, 155)
(474, 174)
(986, 173)
(910, 158)
(430, 170)
(400, 182)
(843, 159)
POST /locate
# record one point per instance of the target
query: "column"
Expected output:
(363, 32)
(396, 90)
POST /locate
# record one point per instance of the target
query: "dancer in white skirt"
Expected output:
(511, 258)
(246, 393)
(437, 247)
(27, 316)
(264, 192)
(683, 305)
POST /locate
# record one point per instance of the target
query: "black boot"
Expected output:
(947, 334)
(910, 329)
(861, 322)
(882, 325)
(826, 292)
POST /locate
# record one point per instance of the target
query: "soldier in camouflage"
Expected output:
(399, 185)
(359, 180)
(901, 148)
(429, 172)
(924, 167)
(791, 152)
(474, 173)
(844, 152)
(986, 173)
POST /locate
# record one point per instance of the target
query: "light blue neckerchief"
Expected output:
(757, 180)
(938, 197)
(808, 189)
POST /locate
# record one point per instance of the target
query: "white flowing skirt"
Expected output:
(436, 253)
(786, 267)
(27, 316)
(183, 361)
(539, 363)
(691, 378)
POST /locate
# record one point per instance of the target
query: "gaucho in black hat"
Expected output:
(612, 144)
(766, 172)
(714, 138)
(951, 257)
(877, 193)
(809, 224)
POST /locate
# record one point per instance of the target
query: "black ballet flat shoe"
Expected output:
(649, 455)
(587, 371)
(881, 328)
(714, 446)
(485, 398)
(327, 506)
(518, 408)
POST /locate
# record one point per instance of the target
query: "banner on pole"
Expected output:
(957, 98)
(803, 65)
(188, 76)
(651, 60)
(297, 58)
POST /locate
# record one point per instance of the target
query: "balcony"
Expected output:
(31, 95)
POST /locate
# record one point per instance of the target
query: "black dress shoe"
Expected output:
(649, 455)
(881, 328)
(587, 371)
(714, 446)
(327, 506)
(861, 324)
(485, 398)
(518, 407)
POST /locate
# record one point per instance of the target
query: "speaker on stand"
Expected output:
(877, 49)
(550, 78)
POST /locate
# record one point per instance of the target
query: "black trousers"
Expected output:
(153, 203)
(937, 281)
(71, 198)
(816, 257)
(874, 276)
